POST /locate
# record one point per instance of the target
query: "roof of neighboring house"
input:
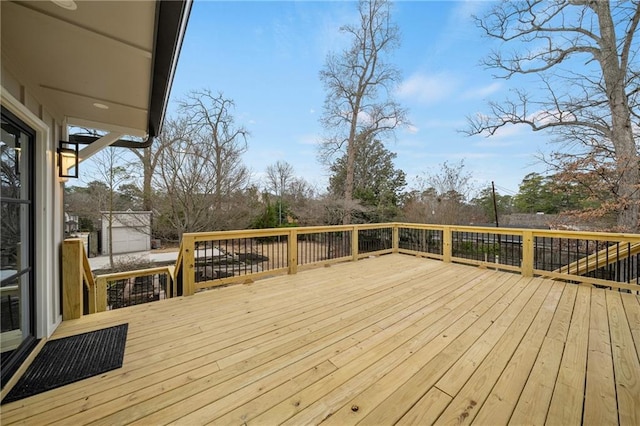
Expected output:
(528, 220)
(555, 221)
(105, 65)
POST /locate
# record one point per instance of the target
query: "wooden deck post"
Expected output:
(72, 282)
(292, 257)
(188, 266)
(101, 295)
(354, 243)
(446, 244)
(93, 307)
(93, 291)
(395, 242)
(172, 283)
(527, 253)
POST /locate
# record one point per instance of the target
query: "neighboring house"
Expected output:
(100, 65)
(555, 221)
(528, 220)
(71, 223)
(131, 232)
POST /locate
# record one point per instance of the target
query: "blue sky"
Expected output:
(266, 56)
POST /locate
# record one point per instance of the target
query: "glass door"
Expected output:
(17, 314)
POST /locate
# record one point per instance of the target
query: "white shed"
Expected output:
(131, 231)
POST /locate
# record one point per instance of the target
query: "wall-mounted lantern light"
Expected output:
(68, 159)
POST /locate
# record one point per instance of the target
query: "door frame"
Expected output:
(48, 205)
(28, 319)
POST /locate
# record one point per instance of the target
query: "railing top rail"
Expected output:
(271, 232)
(419, 226)
(88, 275)
(274, 232)
(375, 225)
(135, 273)
(178, 263)
(245, 233)
(604, 236)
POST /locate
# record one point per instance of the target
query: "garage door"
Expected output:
(126, 240)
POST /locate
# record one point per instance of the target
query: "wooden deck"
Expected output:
(394, 339)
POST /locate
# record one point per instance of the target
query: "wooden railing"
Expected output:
(592, 258)
(601, 258)
(76, 280)
(85, 294)
(219, 258)
(121, 289)
(209, 259)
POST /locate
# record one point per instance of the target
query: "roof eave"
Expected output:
(171, 23)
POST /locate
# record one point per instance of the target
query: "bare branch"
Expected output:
(588, 105)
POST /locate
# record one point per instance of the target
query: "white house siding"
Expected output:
(30, 106)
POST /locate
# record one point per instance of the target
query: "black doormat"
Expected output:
(70, 359)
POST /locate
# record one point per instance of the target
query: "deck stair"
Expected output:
(603, 258)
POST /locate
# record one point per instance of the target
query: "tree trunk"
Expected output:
(110, 223)
(146, 182)
(629, 212)
(348, 184)
(627, 159)
(351, 161)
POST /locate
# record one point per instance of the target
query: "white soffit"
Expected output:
(99, 54)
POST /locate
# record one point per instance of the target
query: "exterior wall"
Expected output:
(26, 103)
(131, 232)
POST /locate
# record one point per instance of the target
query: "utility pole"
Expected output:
(495, 211)
(280, 202)
(495, 204)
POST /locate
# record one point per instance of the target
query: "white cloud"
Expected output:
(409, 145)
(494, 143)
(426, 88)
(542, 117)
(468, 155)
(510, 131)
(464, 10)
(330, 38)
(411, 129)
(308, 139)
(482, 92)
(459, 26)
(444, 124)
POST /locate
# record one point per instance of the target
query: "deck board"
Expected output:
(600, 397)
(625, 361)
(386, 340)
(505, 394)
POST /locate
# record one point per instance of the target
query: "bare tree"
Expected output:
(113, 169)
(451, 179)
(202, 174)
(359, 104)
(150, 156)
(586, 54)
(440, 196)
(210, 119)
(278, 178)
